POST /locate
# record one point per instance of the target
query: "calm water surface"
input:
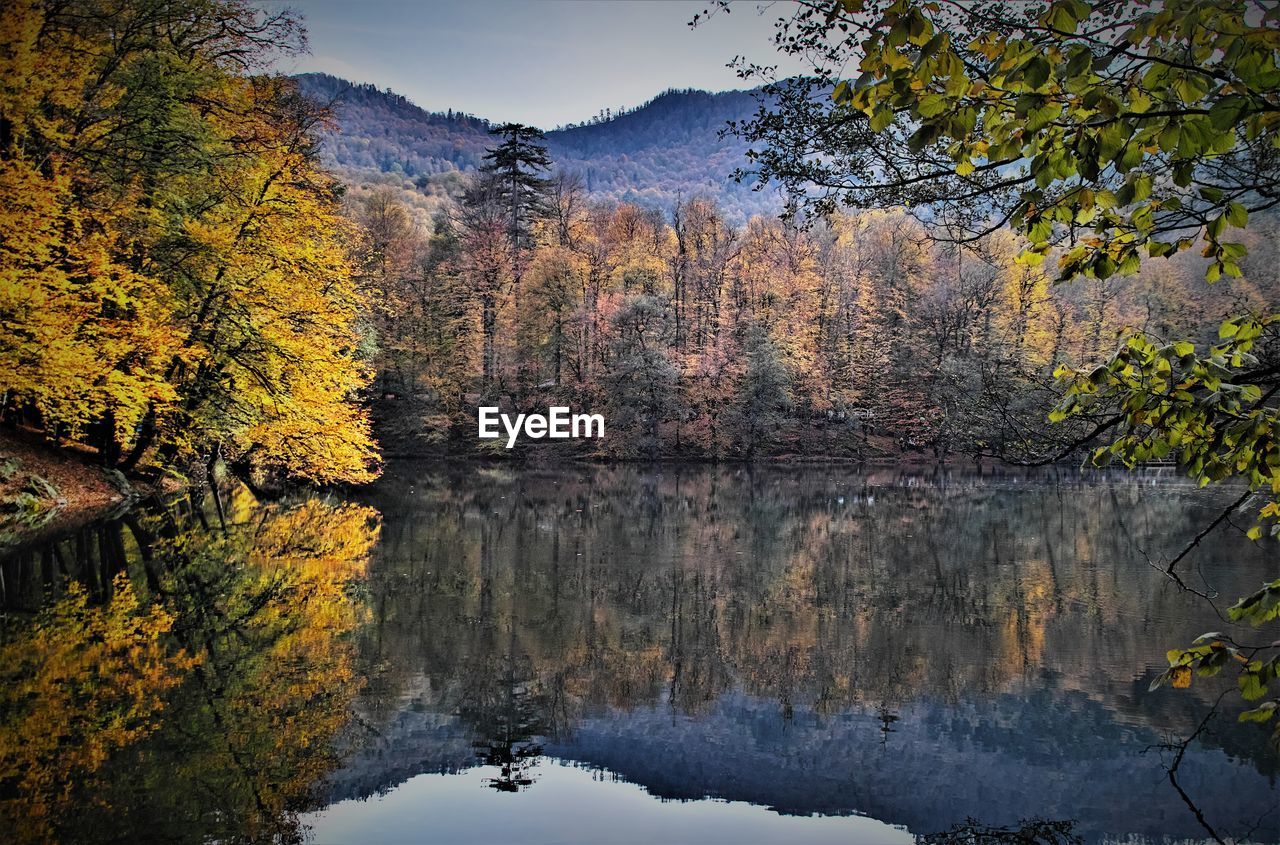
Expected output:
(631, 655)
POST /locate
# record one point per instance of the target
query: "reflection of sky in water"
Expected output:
(571, 805)
(712, 635)
(674, 654)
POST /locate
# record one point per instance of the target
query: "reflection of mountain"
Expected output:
(409, 742)
(1001, 761)
(1004, 760)
(733, 632)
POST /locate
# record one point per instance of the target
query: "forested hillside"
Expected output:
(667, 148)
(482, 264)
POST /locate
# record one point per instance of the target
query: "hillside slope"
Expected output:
(667, 148)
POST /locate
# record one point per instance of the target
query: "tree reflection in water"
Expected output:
(505, 705)
(1026, 832)
(915, 647)
(729, 632)
(201, 665)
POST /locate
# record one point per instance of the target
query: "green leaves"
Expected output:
(1260, 714)
(1201, 410)
(1206, 413)
(932, 105)
(1205, 659)
(1037, 92)
(1036, 72)
(1259, 607)
(1208, 656)
(923, 137)
(1227, 112)
(1066, 16)
(881, 119)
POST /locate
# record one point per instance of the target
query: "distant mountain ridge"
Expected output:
(654, 154)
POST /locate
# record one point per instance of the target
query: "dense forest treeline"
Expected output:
(184, 282)
(862, 334)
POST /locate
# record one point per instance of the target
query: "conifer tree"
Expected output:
(516, 164)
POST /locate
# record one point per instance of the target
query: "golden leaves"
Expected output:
(207, 287)
(80, 684)
(92, 696)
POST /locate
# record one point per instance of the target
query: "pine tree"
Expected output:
(516, 164)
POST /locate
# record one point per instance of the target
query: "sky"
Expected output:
(542, 62)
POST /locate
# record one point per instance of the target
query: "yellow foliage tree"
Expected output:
(173, 270)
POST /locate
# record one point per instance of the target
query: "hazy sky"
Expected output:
(544, 62)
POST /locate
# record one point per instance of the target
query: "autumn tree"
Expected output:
(705, 245)
(391, 250)
(487, 259)
(271, 369)
(764, 392)
(174, 280)
(555, 283)
(640, 377)
(447, 335)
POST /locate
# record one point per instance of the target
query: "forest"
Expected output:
(972, 235)
(186, 283)
(863, 334)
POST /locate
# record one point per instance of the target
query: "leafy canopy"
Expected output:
(1118, 129)
(174, 273)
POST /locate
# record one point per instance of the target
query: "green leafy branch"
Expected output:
(1211, 414)
(1135, 132)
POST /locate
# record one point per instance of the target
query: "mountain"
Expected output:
(667, 148)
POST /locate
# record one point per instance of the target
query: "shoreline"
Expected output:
(46, 491)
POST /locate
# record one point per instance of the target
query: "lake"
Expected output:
(631, 654)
